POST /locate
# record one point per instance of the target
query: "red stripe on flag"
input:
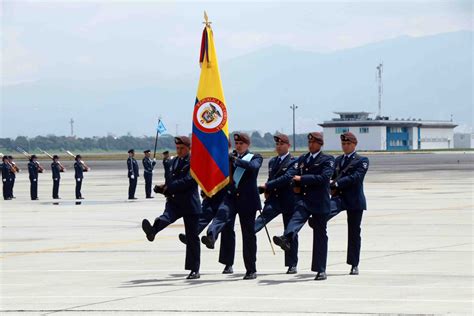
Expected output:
(204, 167)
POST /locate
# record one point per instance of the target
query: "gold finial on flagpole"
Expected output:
(206, 20)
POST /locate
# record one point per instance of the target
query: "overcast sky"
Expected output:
(44, 39)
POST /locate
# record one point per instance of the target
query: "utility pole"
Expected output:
(380, 88)
(72, 127)
(293, 108)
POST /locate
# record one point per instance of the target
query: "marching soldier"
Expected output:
(182, 200)
(33, 170)
(133, 175)
(210, 206)
(314, 171)
(148, 165)
(6, 170)
(56, 169)
(347, 187)
(279, 196)
(242, 198)
(79, 169)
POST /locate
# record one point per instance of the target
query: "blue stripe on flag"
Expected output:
(216, 144)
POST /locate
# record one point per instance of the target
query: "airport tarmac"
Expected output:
(93, 258)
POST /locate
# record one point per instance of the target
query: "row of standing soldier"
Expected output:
(312, 188)
(10, 169)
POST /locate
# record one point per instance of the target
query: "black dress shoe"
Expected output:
(250, 275)
(354, 270)
(282, 241)
(292, 270)
(208, 241)
(132, 198)
(148, 229)
(228, 270)
(321, 276)
(310, 222)
(182, 238)
(193, 275)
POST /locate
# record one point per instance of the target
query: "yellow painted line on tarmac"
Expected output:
(81, 246)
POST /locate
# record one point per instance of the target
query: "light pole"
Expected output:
(294, 107)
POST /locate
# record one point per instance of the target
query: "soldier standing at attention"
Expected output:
(312, 198)
(79, 169)
(242, 198)
(182, 200)
(347, 186)
(6, 169)
(133, 174)
(56, 169)
(148, 165)
(33, 170)
(279, 196)
(13, 171)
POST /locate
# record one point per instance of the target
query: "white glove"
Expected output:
(4, 180)
(34, 180)
(154, 159)
(132, 176)
(55, 179)
(79, 179)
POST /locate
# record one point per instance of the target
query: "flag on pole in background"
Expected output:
(161, 129)
(210, 139)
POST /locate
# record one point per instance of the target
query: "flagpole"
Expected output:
(156, 138)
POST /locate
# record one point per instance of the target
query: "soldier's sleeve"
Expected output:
(357, 176)
(254, 164)
(129, 165)
(320, 179)
(284, 179)
(180, 185)
(334, 172)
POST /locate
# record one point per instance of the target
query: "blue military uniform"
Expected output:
(33, 175)
(56, 175)
(78, 176)
(313, 199)
(12, 177)
(280, 200)
(148, 166)
(210, 206)
(132, 166)
(6, 170)
(182, 200)
(242, 198)
(349, 195)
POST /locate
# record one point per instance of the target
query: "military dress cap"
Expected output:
(10, 157)
(349, 137)
(33, 157)
(55, 157)
(281, 138)
(242, 137)
(78, 157)
(317, 137)
(147, 151)
(131, 151)
(182, 140)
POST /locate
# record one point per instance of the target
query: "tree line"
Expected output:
(116, 144)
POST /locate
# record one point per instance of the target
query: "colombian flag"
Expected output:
(209, 159)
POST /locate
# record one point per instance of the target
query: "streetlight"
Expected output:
(294, 107)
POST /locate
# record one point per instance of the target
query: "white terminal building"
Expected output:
(382, 133)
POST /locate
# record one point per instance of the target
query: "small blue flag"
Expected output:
(161, 127)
